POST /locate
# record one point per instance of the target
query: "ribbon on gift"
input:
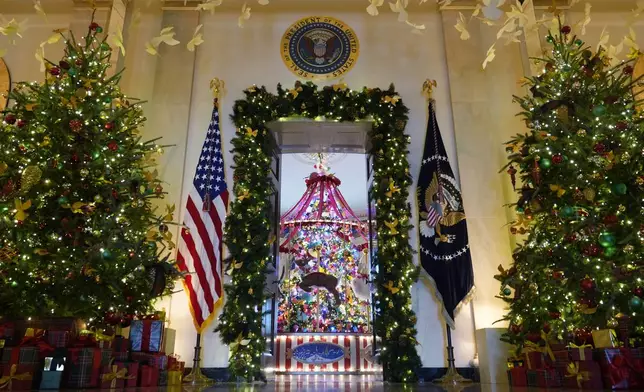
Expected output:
(6, 381)
(582, 349)
(33, 338)
(84, 341)
(115, 375)
(580, 376)
(547, 349)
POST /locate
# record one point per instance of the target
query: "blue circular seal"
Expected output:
(319, 47)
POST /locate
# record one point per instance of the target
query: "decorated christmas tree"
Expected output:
(324, 259)
(78, 233)
(581, 175)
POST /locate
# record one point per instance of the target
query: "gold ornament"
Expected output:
(30, 177)
(589, 194)
(581, 132)
(3, 167)
(392, 226)
(7, 253)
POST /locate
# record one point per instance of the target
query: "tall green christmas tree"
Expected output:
(581, 179)
(78, 233)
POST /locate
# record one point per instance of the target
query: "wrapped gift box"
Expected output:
(621, 369)
(20, 355)
(517, 377)
(605, 338)
(175, 378)
(51, 380)
(583, 375)
(562, 358)
(120, 375)
(544, 378)
(7, 332)
(147, 335)
(59, 338)
(581, 353)
(157, 360)
(535, 360)
(18, 377)
(149, 376)
(169, 337)
(84, 367)
(163, 378)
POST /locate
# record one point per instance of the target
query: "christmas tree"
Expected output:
(324, 255)
(78, 233)
(581, 173)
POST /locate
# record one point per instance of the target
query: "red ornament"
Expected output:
(54, 71)
(554, 315)
(78, 62)
(131, 255)
(599, 148)
(557, 159)
(93, 26)
(64, 64)
(588, 72)
(109, 125)
(75, 125)
(566, 29)
(21, 123)
(111, 318)
(8, 187)
(621, 126)
(611, 99)
(158, 189)
(546, 328)
(557, 274)
(570, 237)
(10, 119)
(592, 250)
(22, 148)
(628, 70)
(638, 291)
(515, 329)
(74, 157)
(115, 194)
(113, 146)
(587, 284)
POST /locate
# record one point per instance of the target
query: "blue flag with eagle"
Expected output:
(444, 247)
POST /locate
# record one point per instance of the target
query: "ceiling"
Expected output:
(351, 169)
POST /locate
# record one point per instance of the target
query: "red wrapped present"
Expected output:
(546, 378)
(173, 360)
(7, 330)
(58, 338)
(518, 377)
(562, 358)
(581, 353)
(620, 369)
(17, 377)
(583, 375)
(158, 360)
(534, 357)
(149, 376)
(120, 344)
(84, 367)
(119, 375)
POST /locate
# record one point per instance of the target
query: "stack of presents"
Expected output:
(58, 353)
(600, 361)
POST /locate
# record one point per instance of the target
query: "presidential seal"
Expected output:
(319, 47)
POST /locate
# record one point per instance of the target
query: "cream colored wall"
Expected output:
(475, 112)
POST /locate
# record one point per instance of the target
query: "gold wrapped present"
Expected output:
(605, 338)
(175, 377)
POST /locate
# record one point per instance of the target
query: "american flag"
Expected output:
(433, 216)
(200, 245)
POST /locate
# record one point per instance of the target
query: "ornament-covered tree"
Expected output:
(581, 179)
(78, 233)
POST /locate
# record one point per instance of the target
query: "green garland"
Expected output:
(248, 224)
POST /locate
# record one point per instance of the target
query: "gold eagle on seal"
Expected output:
(440, 211)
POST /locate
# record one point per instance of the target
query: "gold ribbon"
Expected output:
(101, 336)
(116, 375)
(548, 350)
(6, 381)
(582, 351)
(573, 371)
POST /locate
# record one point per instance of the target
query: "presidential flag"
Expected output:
(444, 248)
(200, 245)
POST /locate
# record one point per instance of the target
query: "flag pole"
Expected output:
(196, 377)
(451, 377)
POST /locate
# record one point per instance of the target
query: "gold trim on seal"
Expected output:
(354, 48)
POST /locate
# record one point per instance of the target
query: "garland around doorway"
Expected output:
(248, 226)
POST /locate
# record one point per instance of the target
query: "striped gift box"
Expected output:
(156, 360)
(28, 355)
(331, 353)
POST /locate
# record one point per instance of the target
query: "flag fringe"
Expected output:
(439, 298)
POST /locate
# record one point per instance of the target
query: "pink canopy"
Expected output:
(322, 204)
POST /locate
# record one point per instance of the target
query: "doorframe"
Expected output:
(248, 226)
